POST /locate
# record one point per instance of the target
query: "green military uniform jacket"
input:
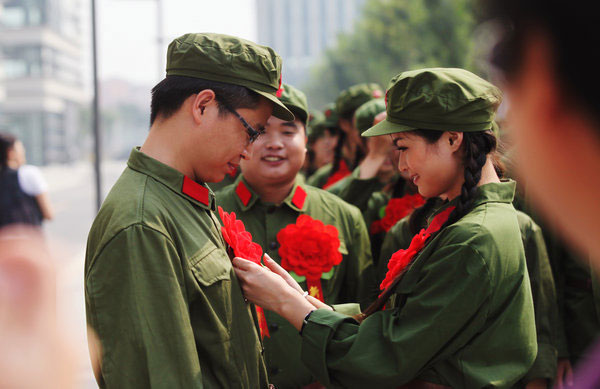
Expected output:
(319, 178)
(350, 281)
(542, 288)
(160, 290)
(462, 315)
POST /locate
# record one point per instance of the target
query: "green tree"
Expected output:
(393, 36)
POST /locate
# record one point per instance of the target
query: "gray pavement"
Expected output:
(72, 193)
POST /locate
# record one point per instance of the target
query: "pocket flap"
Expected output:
(210, 264)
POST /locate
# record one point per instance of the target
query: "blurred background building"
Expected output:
(41, 80)
(301, 30)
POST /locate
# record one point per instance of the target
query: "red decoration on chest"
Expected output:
(402, 258)
(194, 190)
(309, 248)
(243, 193)
(396, 209)
(299, 197)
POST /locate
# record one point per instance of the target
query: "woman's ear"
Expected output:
(454, 140)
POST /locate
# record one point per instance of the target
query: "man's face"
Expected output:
(277, 155)
(223, 141)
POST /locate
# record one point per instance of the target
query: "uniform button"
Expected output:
(273, 245)
(274, 370)
(273, 327)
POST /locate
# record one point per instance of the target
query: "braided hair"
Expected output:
(338, 153)
(476, 146)
(7, 142)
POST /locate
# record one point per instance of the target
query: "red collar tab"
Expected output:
(194, 190)
(299, 197)
(243, 193)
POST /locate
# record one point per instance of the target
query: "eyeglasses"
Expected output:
(252, 133)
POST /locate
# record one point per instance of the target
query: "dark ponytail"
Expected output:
(7, 142)
(338, 153)
(476, 146)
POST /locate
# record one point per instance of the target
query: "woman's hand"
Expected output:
(269, 290)
(277, 269)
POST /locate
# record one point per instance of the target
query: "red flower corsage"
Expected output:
(402, 258)
(396, 209)
(309, 248)
(240, 244)
(239, 240)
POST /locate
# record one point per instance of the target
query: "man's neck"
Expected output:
(161, 146)
(273, 193)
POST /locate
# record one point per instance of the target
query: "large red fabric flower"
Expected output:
(309, 248)
(235, 234)
(396, 209)
(402, 258)
(340, 174)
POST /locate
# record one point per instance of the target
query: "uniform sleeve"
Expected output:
(354, 190)
(31, 180)
(137, 304)
(545, 306)
(445, 309)
(359, 282)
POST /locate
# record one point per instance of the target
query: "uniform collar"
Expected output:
(194, 192)
(495, 192)
(246, 197)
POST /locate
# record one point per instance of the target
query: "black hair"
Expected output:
(169, 94)
(565, 27)
(476, 147)
(7, 142)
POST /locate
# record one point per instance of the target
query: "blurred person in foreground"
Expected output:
(34, 352)
(160, 289)
(23, 190)
(554, 111)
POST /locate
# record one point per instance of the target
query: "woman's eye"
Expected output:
(401, 148)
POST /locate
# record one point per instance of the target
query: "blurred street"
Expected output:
(71, 189)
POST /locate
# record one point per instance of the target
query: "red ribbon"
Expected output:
(262, 322)
(315, 288)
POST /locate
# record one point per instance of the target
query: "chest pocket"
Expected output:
(210, 265)
(211, 305)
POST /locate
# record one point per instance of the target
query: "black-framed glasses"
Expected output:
(252, 133)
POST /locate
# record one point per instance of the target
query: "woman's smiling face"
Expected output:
(435, 168)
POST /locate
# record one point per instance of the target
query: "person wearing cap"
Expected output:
(456, 309)
(268, 197)
(322, 142)
(338, 169)
(160, 291)
(351, 148)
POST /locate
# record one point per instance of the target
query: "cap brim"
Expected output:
(280, 111)
(386, 127)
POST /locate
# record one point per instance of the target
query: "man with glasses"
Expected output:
(160, 291)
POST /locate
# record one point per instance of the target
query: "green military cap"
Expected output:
(295, 101)
(365, 114)
(331, 116)
(231, 60)
(438, 99)
(355, 96)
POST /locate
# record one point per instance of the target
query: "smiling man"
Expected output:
(159, 287)
(268, 196)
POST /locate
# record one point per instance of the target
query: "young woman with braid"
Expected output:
(456, 308)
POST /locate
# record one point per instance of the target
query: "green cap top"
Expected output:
(355, 96)
(365, 114)
(438, 99)
(316, 128)
(231, 60)
(331, 116)
(295, 101)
